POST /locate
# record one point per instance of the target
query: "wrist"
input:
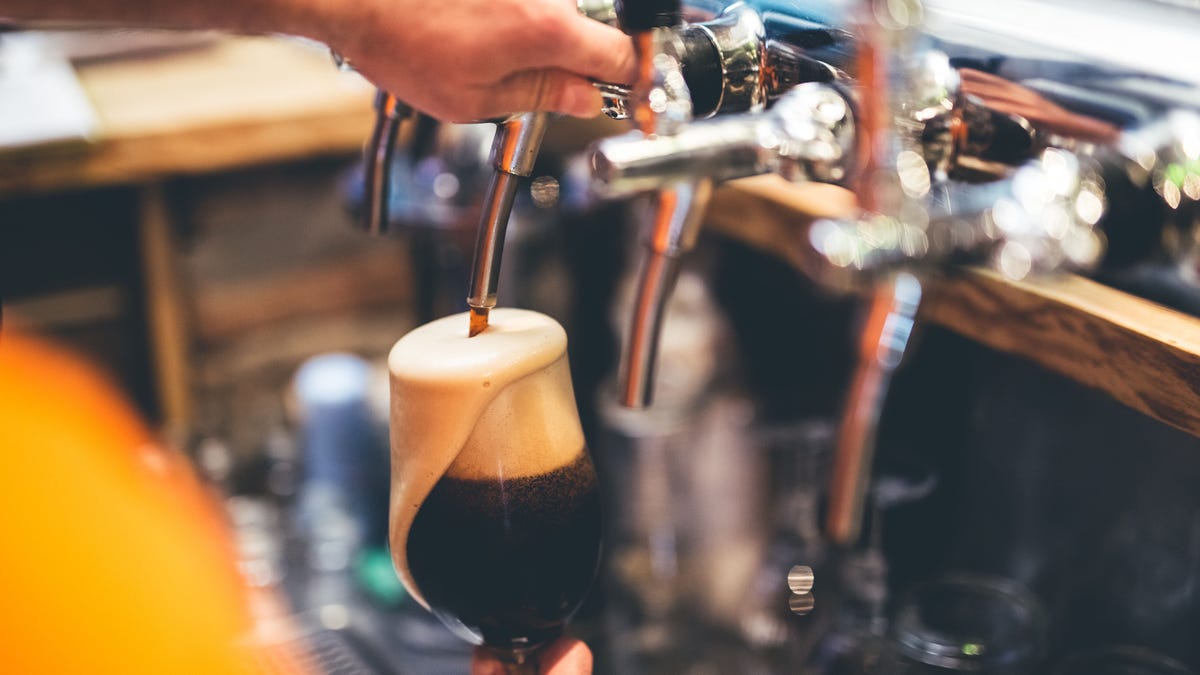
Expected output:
(332, 22)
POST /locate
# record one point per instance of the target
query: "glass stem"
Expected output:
(518, 661)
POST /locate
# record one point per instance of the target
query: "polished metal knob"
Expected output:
(800, 579)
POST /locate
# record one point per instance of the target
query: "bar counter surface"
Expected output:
(1140, 353)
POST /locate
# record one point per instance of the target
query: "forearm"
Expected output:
(311, 18)
(455, 59)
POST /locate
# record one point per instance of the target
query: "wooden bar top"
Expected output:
(234, 103)
(1142, 354)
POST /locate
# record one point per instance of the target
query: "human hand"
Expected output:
(566, 656)
(470, 60)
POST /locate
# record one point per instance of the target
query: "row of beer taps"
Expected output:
(971, 133)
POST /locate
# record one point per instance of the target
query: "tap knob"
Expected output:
(731, 65)
(638, 16)
(725, 62)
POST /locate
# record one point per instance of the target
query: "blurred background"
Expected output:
(186, 220)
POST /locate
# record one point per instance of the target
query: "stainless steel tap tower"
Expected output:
(971, 132)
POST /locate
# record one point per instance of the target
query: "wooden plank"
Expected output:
(376, 279)
(1142, 354)
(165, 316)
(240, 102)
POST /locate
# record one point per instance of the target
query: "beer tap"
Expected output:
(723, 65)
(514, 151)
(660, 104)
(915, 132)
(898, 136)
(808, 135)
(519, 137)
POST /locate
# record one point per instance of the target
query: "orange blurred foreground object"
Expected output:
(113, 559)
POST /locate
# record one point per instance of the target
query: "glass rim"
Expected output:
(939, 647)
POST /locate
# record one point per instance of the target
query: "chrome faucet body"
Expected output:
(972, 133)
(660, 105)
(514, 152)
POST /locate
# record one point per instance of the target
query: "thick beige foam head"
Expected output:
(499, 404)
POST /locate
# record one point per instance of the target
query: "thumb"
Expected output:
(483, 663)
(550, 90)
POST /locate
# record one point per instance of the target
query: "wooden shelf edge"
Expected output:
(220, 148)
(1142, 354)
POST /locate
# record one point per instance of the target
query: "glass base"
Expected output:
(522, 661)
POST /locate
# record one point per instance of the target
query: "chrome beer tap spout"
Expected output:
(660, 105)
(1042, 218)
(514, 151)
